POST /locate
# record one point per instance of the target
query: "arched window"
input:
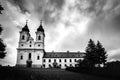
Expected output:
(65, 65)
(21, 57)
(70, 65)
(29, 57)
(23, 37)
(30, 45)
(43, 60)
(49, 60)
(70, 60)
(60, 65)
(65, 60)
(75, 60)
(59, 60)
(49, 66)
(21, 44)
(38, 57)
(44, 65)
(39, 37)
(54, 60)
(38, 45)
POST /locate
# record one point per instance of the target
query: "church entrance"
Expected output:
(29, 61)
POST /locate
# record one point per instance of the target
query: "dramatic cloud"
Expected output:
(69, 24)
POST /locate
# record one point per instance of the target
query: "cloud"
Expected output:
(114, 54)
(21, 4)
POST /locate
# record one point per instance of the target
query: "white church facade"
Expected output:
(31, 53)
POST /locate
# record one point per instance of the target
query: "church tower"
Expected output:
(40, 35)
(24, 34)
(39, 43)
(22, 52)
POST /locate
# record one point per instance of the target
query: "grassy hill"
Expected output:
(43, 74)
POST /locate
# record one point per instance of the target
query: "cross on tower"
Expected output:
(26, 21)
(41, 22)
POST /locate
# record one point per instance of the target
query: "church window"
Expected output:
(21, 57)
(49, 60)
(39, 37)
(50, 66)
(75, 60)
(60, 65)
(39, 45)
(21, 44)
(30, 41)
(30, 45)
(54, 60)
(59, 60)
(43, 60)
(65, 65)
(44, 65)
(29, 57)
(65, 60)
(38, 57)
(70, 60)
(23, 37)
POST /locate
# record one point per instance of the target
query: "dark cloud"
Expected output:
(20, 3)
(40, 9)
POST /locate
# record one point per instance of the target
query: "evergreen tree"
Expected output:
(90, 57)
(2, 45)
(101, 53)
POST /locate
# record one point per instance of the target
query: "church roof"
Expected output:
(64, 55)
(30, 38)
(25, 28)
(40, 28)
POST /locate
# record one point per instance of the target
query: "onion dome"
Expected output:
(40, 28)
(25, 28)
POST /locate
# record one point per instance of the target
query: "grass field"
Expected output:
(44, 74)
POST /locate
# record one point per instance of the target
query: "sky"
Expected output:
(68, 24)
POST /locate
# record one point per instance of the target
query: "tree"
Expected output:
(90, 57)
(95, 54)
(2, 45)
(102, 55)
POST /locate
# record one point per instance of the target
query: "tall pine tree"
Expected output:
(101, 53)
(90, 57)
(95, 54)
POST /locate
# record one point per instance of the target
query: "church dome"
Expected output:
(40, 28)
(25, 28)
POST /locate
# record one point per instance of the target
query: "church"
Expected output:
(31, 53)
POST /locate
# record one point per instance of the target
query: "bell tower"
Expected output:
(39, 44)
(40, 35)
(24, 35)
(22, 51)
